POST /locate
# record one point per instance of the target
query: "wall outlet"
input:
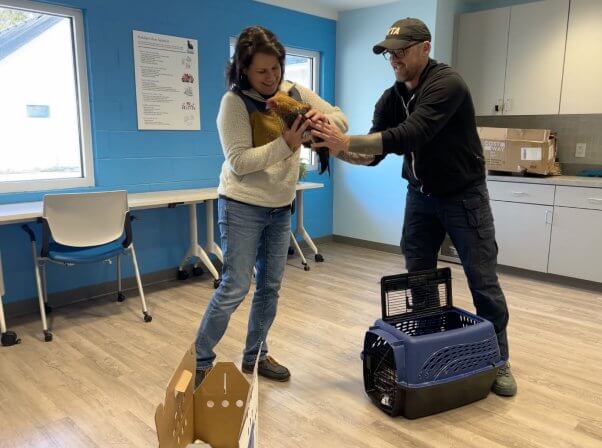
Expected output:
(580, 150)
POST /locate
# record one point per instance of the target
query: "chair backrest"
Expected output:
(86, 219)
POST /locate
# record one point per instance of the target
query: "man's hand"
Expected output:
(316, 116)
(332, 137)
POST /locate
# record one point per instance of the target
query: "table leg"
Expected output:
(301, 228)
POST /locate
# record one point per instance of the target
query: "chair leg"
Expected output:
(147, 316)
(120, 294)
(38, 267)
(47, 307)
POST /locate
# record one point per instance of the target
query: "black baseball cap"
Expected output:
(402, 33)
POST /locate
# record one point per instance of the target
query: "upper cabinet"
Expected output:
(535, 56)
(481, 45)
(523, 46)
(581, 92)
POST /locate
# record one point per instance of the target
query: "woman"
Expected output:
(257, 187)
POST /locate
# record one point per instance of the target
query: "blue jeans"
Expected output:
(467, 218)
(250, 236)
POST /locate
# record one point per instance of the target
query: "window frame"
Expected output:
(315, 56)
(83, 102)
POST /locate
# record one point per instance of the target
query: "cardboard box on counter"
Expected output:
(221, 412)
(519, 150)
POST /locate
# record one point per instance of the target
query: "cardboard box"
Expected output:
(221, 412)
(519, 150)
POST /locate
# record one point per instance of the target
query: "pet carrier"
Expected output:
(426, 356)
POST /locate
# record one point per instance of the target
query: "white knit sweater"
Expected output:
(263, 175)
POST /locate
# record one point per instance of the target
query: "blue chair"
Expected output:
(82, 228)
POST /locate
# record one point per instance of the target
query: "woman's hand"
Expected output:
(332, 137)
(294, 136)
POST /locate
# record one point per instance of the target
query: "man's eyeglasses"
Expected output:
(398, 54)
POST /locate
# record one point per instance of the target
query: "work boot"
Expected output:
(504, 384)
(269, 368)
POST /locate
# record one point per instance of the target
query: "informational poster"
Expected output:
(167, 82)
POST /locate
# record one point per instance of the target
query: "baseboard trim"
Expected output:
(64, 298)
(530, 275)
(382, 247)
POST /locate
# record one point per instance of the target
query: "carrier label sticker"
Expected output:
(530, 154)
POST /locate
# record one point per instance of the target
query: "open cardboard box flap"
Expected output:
(221, 412)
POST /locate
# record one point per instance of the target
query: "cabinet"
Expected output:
(520, 48)
(523, 218)
(522, 232)
(481, 45)
(581, 93)
(536, 42)
(576, 245)
(555, 229)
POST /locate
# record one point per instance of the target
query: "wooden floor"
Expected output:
(99, 382)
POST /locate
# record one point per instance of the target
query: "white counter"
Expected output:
(571, 181)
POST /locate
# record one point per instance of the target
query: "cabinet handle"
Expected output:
(548, 214)
(519, 193)
(595, 200)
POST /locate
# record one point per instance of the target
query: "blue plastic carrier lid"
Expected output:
(414, 293)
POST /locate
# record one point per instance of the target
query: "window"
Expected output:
(302, 67)
(45, 140)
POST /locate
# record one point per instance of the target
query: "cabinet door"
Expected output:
(522, 232)
(581, 93)
(535, 57)
(576, 247)
(481, 56)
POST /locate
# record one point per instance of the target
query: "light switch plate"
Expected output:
(580, 150)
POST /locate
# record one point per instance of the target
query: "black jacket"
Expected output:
(434, 127)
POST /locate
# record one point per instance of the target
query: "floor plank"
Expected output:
(99, 382)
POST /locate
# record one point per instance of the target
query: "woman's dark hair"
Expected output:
(252, 40)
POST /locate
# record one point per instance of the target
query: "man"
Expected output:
(428, 117)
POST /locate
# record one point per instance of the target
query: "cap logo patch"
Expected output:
(394, 30)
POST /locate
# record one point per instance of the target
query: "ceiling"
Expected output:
(325, 8)
(330, 8)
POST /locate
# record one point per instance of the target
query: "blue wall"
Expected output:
(369, 202)
(159, 160)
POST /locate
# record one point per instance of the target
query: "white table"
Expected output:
(30, 211)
